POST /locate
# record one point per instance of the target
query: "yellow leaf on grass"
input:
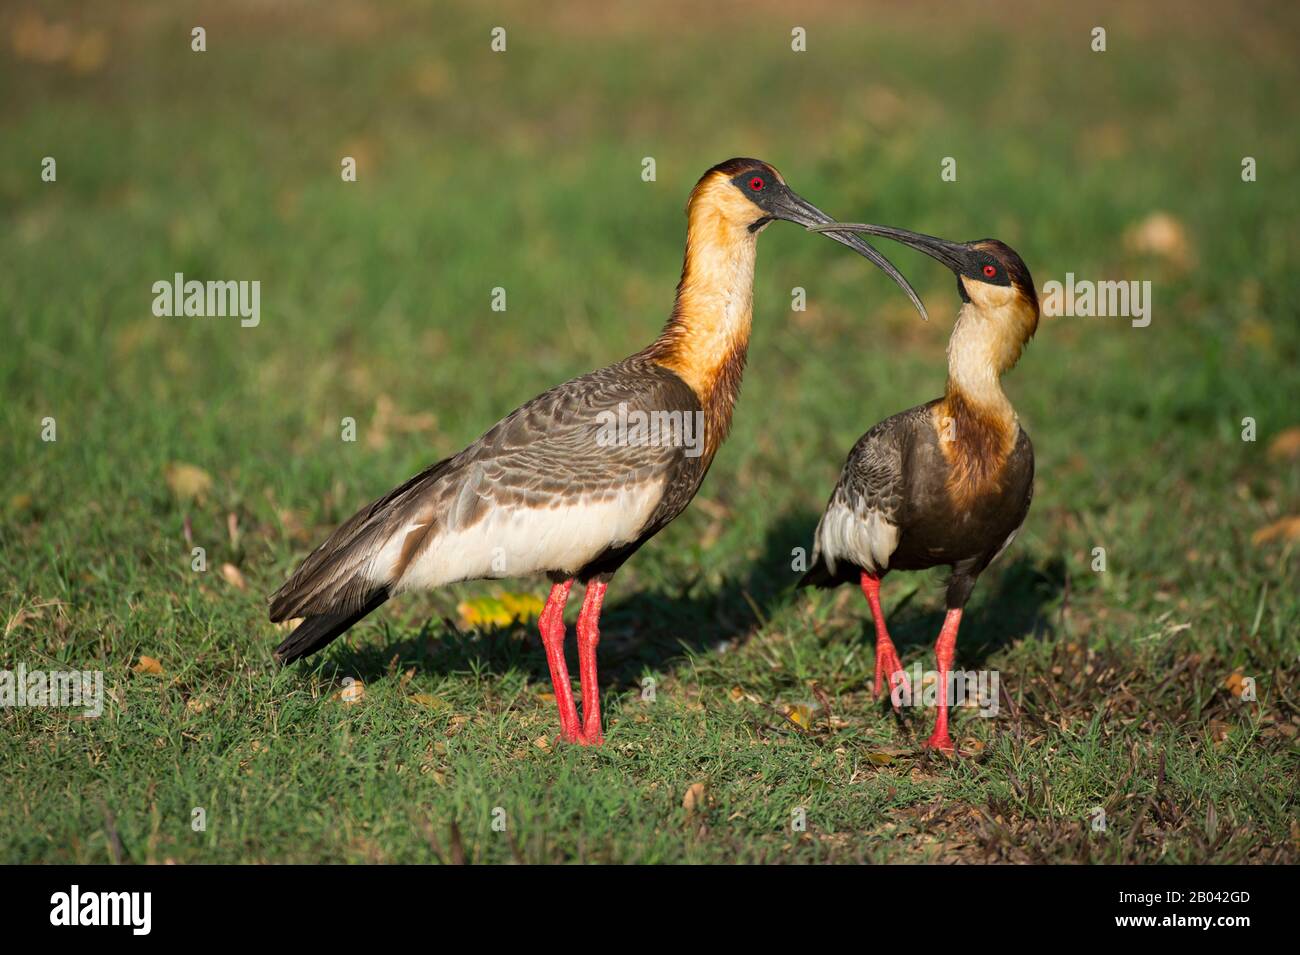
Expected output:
(89, 54)
(499, 611)
(186, 481)
(150, 666)
(800, 714)
(428, 700)
(523, 606)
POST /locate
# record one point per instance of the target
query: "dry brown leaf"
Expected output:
(1286, 446)
(187, 482)
(696, 799)
(430, 78)
(17, 620)
(543, 743)
(35, 39)
(1286, 529)
(149, 666)
(234, 576)
(1236, 684)
(1219, 730)
(1160, 234)
(352, 693)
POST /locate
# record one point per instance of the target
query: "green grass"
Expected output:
(523, 171)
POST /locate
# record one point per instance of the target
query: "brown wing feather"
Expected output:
(326, 581)
(544, 451)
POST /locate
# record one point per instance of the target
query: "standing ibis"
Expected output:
(560, 486)
(947, 483)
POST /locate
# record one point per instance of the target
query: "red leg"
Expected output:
(588, 638)
(944, 651)
(551, 625)
(887, 663)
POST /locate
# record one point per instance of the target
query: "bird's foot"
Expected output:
(941, 743)
(596, 738)
(889, 670)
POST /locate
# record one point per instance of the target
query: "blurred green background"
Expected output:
(522, 170)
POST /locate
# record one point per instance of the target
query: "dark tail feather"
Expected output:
(317, 631)
(819, 575)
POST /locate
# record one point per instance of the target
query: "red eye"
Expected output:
(756, 184)
(990, 271)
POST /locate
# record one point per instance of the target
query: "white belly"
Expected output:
(521, 541)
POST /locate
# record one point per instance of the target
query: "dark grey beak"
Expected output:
(952, 254)
(793, 208)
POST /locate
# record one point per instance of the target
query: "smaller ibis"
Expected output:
(947, 483)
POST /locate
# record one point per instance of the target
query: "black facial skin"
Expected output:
(975, 267)
(765, 196)
(966, 259)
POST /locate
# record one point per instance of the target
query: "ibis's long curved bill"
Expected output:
(952, 254)
(792, 207)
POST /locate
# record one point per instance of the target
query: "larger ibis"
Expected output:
(556, 487)
(947, 483)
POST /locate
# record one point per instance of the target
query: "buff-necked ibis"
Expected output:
(546, 490)
(947, 483)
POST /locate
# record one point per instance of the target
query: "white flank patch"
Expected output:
(866, 541)
(517, 542)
